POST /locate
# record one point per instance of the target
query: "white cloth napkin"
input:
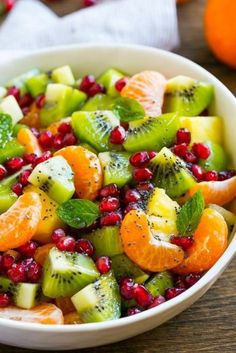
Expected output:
(32, 25)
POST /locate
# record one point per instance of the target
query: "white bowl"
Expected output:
(95, 59)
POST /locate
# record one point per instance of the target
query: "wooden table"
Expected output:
(210, 324)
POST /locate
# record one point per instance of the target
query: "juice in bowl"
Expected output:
(116, 190)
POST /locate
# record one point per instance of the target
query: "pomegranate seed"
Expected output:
(180, 150)
(132, 196)
(7, 261)
(126, 288)
(191, 279)
(86, 83)
(35, 132)
(3, 172)
(17, 188)
(64, 128)
(25, 110)
(117, 135)
(28, 249)
(142, 296)
(142, 174)
(40, 101)
(5, 300)
(96, 88)
(201, 151)
(190, 157)
(66, 244)
(173, 292)
(109, 204)
(145, 186)
(14, 164)
(44, 157)
(58, 234)
(58, 141)
(184, 242)
(180, 282)
(133, 311)
(103, 264)
(132, 206)
(109, 190)
(157, 301)
(34, 272)
(84, 246)
(110, 219)
(9, 4)
(183, 136)
(30, 158)
(121, 83)
(227, 174)
(26, 100)
(152, 154)
(24, 176)
(17, 273)
(69, 139)
(197, 172)
(26, 262)
(139, 159)
(211, 176)
(90, 228)
(46, 139)
(14, 91)
(88, 3)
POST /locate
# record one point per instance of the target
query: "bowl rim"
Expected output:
(209, 277)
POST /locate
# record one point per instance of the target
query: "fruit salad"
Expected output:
(113, 193)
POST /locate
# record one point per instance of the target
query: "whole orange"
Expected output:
(220, 29)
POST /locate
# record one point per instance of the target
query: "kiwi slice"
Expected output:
(108, 79)
(37, 84)
(99, 301)
(124, 267)
(218, 158)
(11, 149)
(7, 198)
(99, 102)
(65, 273)
(187, 96)
(106, 241)
(94, 127)
(152, 133)
(55, 177)
(116, 167)
(171, 173)
(159, 282)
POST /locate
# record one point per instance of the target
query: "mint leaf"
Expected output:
(5, 129)
(78, 213)
(128, 109)
(190, 215)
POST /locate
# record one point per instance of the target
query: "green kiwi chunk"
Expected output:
(159, 282)
(187, 96)
(99, 301)
(124, 267)
(37, 85)
(171, 173)
(218, 158)
(108, 79)
(65, 273)
(99, 102)
(152, 133)
(11, 149)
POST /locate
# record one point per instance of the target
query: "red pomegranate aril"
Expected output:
(24, 176)
(57, 234)
(96, 88)
(40, 101)
(44, 157)
(26, 262)
(184, 242)
(180, 150)
(201, 151)
(157, 301)
(142, 296)
(183, 136)
(30, 158)
(88, 3)
(211, 176)
(139, 159)
(190, 157)
(58, 141)
(131, 206)
(103, 264)
(152, 154)
(142, 174)
(14, 164)
(198, 172)
(117, 135)
(66, 244)
(132, 196)
(64, 128)
(226, 174)
(28, 249)
(14, 91)
(125, 125)
(34, 272)
(126, 288)
(145, 186)
(17, 188)
(110, 219)
(3, 172)
(5, 300)
(17, 273)
(46, 139)
(7, 261)
(9, 4)
(109, 190)
(121, 83)
(86, 83)
(180, 282)
(191, 279)
(69, 139)
(35, 132)
(26, 100)
(109, 204)
(133, 311)
(84, 246)
(173, 292)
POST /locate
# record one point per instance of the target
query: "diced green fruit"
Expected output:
(94, 127)
(99, 301)
(159, 282)
(17, 127)
(107, 241)
(3, 92)
(124, 267)
(217, 160)
(152, 133)
(128, 109)
(187, 96)
(10, 106)
(37, 84)
(11, 149)
(55, 177)
(171, 173)
(20, 81)
(88, 147)
(99, 102)
(108, 79)
(116, 168)
(65, 273)
(230, 217)
(56, 91)
(5, 129)
(63, 75)
(7, 199)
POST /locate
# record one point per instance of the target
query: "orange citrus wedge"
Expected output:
(26, 138)
(32, 118)
(72, 318)
(42, 252)
(142, 248)
(65, 304)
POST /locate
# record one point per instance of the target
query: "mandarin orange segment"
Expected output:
(32, 118)
(53, 128)
(47, 314)
(72, 318)
(19, 223)
(65, 304)
(142, 248)
(42, 252)
(87, 170)
(210, 241)
(26, 138)
(148, 88)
